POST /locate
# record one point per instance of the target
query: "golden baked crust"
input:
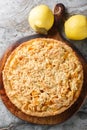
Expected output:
(43, 77)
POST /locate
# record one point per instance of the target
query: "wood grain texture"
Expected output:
(53, 33)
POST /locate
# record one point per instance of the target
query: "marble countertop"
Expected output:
(14, 25)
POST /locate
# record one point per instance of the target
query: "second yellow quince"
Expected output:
(76, 27)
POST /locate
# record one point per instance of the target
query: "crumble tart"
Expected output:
(43, 77)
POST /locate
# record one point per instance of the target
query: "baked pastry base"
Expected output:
(42, 120)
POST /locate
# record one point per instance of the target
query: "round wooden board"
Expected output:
(43, 120)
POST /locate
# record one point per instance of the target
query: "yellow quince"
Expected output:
(76, 27)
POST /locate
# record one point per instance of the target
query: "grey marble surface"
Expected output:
(14, 25)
